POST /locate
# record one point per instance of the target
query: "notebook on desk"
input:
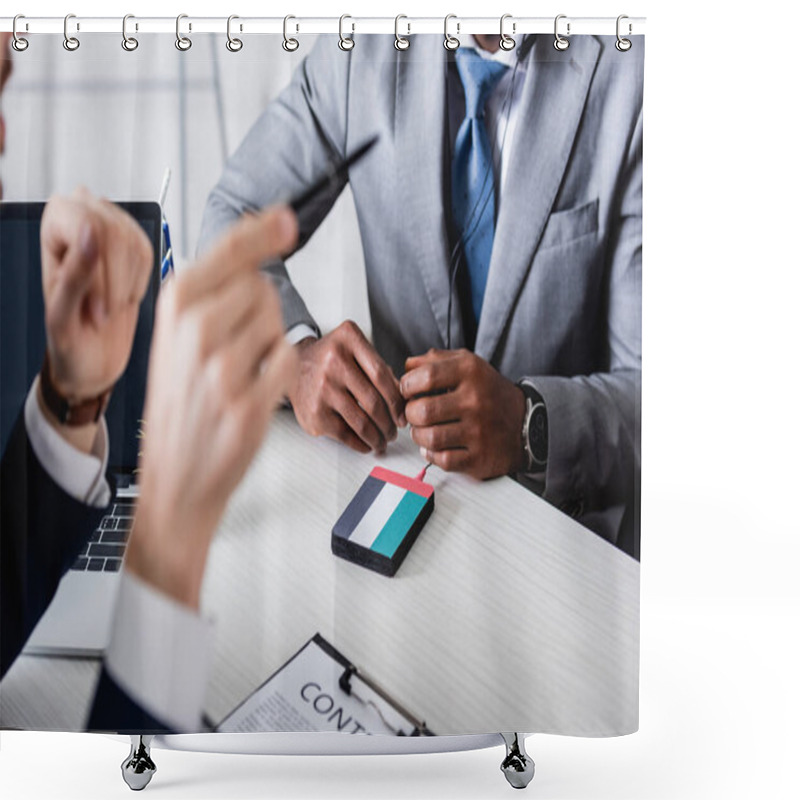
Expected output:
(78, 621)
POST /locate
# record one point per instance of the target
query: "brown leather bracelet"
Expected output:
(68, 413)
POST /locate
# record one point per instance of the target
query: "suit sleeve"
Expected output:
(594, 421)
(42, 530)
(157, 664)
(298, 139)
(115, 711)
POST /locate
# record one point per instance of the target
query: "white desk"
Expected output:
(506, 614)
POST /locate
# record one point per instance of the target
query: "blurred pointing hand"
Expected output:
(218, 368)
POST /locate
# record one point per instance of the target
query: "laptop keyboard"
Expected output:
(106, 546)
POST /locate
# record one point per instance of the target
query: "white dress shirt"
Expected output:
(82, 476)
(160, 650)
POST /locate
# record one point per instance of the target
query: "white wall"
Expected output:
(114, 121)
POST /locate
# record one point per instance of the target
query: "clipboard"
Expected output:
(320, 689)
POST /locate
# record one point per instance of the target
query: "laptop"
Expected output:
(78, 621)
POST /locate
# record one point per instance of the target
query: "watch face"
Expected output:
(537, 434)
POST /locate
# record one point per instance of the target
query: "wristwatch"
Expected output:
(73, 414)
(534, 429)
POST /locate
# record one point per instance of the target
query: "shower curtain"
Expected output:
(440, 532)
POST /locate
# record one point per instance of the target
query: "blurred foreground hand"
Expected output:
(96, 265)
(219, 366)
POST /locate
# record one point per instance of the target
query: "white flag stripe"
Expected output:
(371, 524)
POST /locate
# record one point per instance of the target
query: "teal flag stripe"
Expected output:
(398, 525)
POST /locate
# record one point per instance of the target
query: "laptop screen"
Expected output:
(22, 335)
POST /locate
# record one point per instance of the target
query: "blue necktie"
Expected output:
(473, 172)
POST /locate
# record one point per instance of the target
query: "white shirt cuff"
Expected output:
(160, 654)
(80, 475)
(299, 332)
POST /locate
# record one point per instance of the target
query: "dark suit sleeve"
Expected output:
(114, 711)
(42, 530)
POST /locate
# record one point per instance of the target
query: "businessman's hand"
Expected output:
(96, 264)
(464, 415)
(346, 391)
(219, 366)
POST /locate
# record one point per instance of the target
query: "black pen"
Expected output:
(333, 176)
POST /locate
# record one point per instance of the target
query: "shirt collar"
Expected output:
(507, 57)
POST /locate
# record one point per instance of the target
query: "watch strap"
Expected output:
(73, 414)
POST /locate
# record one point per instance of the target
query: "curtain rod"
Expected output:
(315, 25)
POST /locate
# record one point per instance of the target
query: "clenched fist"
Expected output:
(96, 265)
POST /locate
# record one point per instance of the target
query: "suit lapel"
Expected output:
(551, 106)
(420, 129)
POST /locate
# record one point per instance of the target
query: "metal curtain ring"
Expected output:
(71, 43)
(346, 42)
(400, 42)
(129, 43)
(289, 44)
(18, 43)
(560, 42)
(506, 42)
(451, 42)
(623, 45)
(183, 43)
(233, 44)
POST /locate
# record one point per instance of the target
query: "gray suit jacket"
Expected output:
(562, 307)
